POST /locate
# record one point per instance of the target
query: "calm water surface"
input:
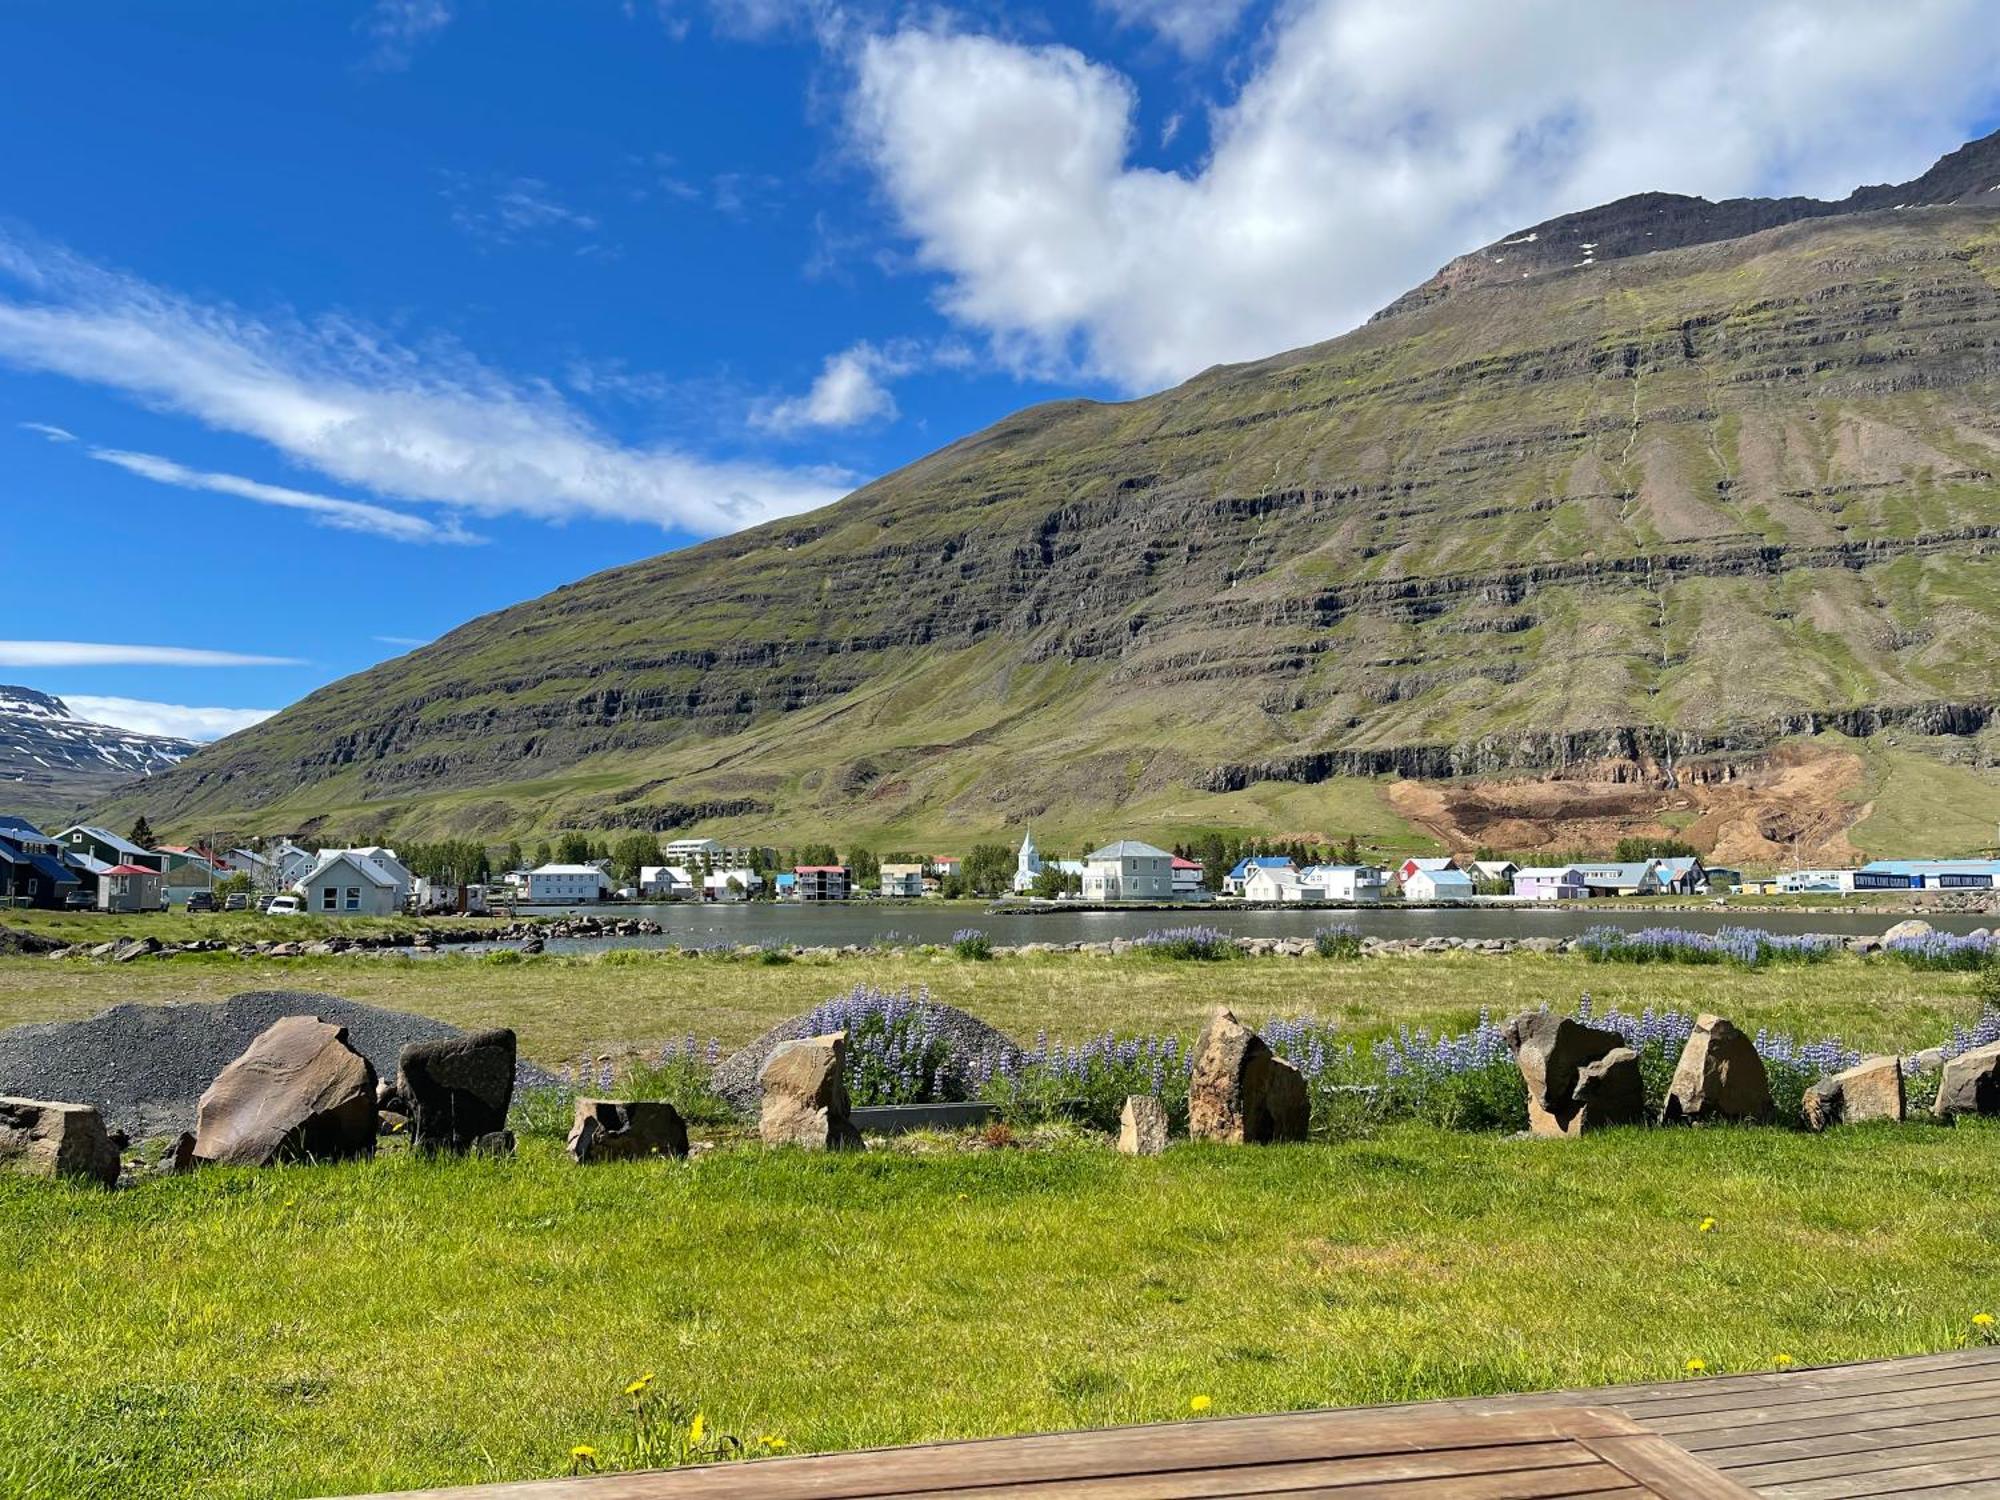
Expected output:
(837, 924)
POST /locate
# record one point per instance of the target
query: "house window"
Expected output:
(329, 899)
(354, 898)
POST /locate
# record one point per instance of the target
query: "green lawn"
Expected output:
(564, 1007)
(319, 1330)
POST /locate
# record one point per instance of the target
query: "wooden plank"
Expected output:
(1753, 1452)
(1920, 1480)
(1665, 1469)
(1871, 1401)
(1078, 1458)
(1857, 1462)
(1793, 1392)
(1725, 1447)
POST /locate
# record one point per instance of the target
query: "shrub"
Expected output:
(1337, 942)
(1197, 943)
(774, 953)
(971, 943)
(897, 1052)
(1746, 947)
(504, 956)
(1943, 950)
(1088, 1082)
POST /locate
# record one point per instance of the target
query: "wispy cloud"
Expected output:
(180, 720)
(340, 398)
(53, 434)
(411, 641)
(326, 510)
(851, 388)
(508, 210)
(104, 654)
(397, 28)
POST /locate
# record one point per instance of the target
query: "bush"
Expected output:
(1337, 942)
(1943, 950)
(896, 1049)
(971, 943)
(1746, 947)
(1195, 943)
(1088, 1083)
(504, 956)
(774, 953)
(678, 1073)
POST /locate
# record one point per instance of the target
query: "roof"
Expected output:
(650, 873)
(565, 870)
(366, 868)
(55, 869)
(14, 827)
(1129, 849)
(1311, 870)
(1931, 867)
(1186, 864)
(1430, 862)
(105, 836)
(1446, 877)
(1630, 872)
(1680, 864)
(819, 869)
(902, 869)
(1259, 862)
(130, 870)
(1549, 872)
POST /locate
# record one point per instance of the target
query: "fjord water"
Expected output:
(911, 922)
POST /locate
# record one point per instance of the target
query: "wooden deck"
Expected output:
(1927, 1427)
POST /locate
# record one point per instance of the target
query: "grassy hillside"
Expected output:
(1638, 514)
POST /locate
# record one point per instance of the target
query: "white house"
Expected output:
(1437, 885)
(664, 882)
(1498, 872)
(384, 859)
(902, 880)
(1237, 881)
(566, 884)
(347, 884)
(731, 885)
(1345, 882)
(1128, 871)
(291, 863)
(1279, 883)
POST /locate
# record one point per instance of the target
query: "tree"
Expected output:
(573, 849)
(989, 868)
(1350, 852)
(1051, 883)
(1630, 851)
(514, 856)
(817, 854)
(142, 833)
(542, 854)
(633, 853)
(864, 867)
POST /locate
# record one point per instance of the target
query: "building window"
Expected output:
(354, 898)
(329, 899)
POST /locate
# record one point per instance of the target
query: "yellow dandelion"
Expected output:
(583, 1451)
(1781, 1360)
(1982, 1320)
(638, 1385)
(1696, 1366)
(1705, 1226)
(697, 1427)
(773, 1443)
(1200, 1403)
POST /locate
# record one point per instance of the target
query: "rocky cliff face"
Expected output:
(52, 763)
(1647, 222)
(1672, 502)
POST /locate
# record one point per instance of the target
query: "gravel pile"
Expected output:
(146, 1066)
(969, 1038)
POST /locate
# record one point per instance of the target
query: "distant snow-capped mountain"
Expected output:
(52, 763)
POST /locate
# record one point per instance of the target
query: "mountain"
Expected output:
(1701, 539)
(53, 764)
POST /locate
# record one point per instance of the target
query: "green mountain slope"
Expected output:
(1623, 518)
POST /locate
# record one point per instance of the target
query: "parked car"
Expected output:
(286, 906)
(200, 901)
(236, 901)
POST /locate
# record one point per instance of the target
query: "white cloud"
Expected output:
(848, 392)
(411, 641)
(342, 515)
(102, 654)
(1376, 140)
(432, 425)
(53, 434)
(1194, 26)
(511, 209)
(399, 27)
(176, 719)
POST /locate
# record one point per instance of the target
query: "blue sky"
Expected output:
(399, 311)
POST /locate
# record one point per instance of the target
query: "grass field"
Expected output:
(566, 1007)
(316, 1330)
(332, 1329)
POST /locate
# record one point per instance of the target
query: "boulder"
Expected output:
(493, 1143)
(804, 1085)
(298, 1092)
(1971, 1084)
(1913, 928)
(1719, 1077)
(611, 1130)
(1142, 1128)
(1578, 1077)
(1871, 1090)
(1240, 1092)
(41, 1138)
(456, 1089)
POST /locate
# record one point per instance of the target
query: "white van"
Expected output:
(286, 906)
